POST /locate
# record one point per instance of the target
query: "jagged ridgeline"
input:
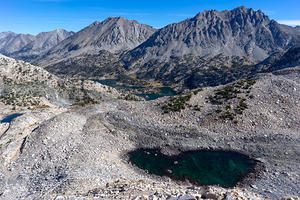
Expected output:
(211, 48)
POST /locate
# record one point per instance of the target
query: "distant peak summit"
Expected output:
(8, 32)
(114, 34)
(242, 8)
(59, 30)
(239, 11)
(116, 19)
(249, 11)
(205, 14)
(95, 23)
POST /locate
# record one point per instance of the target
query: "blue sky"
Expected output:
(34, 16)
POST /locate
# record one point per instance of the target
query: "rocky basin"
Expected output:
(81, 153)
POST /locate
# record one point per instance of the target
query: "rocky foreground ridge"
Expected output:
(25, 85)
(80, 153)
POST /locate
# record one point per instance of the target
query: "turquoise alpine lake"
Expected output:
(203, 167)
(163, 91)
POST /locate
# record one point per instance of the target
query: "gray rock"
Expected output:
(115, 34)
(82, 152)
(239, 32)
(27, 47)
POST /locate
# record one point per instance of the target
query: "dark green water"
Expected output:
(9, 118)
(201, 167)
(163, 91)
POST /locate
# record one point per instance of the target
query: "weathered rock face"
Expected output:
(115, 34)
(239, 32)
(209, 47)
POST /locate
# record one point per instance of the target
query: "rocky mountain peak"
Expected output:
(248, 12)
(238, 14)
(59, 30)
(27, 47)
(95, 23)
(36, 45)
(243, 9)
(115, 21)
(242, 36)
(111, 18)
(56, 32)
(114, 34)
(238, 32)
(206, 13)
(120, 21)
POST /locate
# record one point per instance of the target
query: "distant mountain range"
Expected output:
(27, 47)
(209, 49)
